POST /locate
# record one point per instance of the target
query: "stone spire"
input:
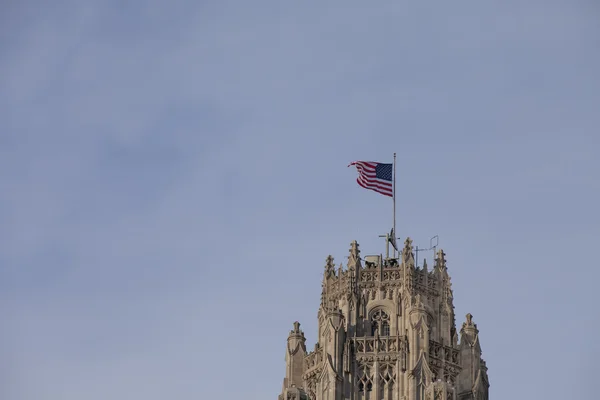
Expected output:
(329, 284)
(440, 261)
(408, 257)
(354, 267)
(354, 257)
(329, 267)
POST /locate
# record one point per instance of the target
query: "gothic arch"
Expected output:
(380, 321)
(387, 304)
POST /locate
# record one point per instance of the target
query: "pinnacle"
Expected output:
(329, 261)
(407, 252)
(329, 266)
(469, 324)
(296, 330)
(354, 257)
(424, 299)
(441, 259)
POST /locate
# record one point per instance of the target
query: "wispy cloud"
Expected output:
(173, 177)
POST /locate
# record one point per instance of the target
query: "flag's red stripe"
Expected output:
(375, 188)
(366, 172)
(366, 166)
(362, 164)
(373, 178)
(386, 193)
(365, 169)
(367, 178)
(375, 184)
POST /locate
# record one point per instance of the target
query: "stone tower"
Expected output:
(386, 332)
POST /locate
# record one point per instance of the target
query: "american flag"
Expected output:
(375, 176)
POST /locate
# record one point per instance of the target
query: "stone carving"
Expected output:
(354, 257)
(387, 374)
(408, 256)
(329, 267)
(441, 259)
(379, 326)
(312, 388)
(380, 323)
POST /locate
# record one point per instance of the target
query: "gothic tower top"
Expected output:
(386, 331)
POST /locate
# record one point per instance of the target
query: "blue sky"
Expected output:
(172, 178)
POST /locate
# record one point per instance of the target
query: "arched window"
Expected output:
(365, 381)
(380, 322)
(385, 329)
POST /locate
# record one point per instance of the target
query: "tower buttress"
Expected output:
(332, 342)
(294, 362)
(419, 330)
(473, 381)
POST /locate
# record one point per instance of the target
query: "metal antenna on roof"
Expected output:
(431, 247)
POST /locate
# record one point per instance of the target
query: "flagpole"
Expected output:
(394, 200)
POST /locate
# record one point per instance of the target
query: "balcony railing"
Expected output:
(382, 344)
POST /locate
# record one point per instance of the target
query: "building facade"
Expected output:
(386, 332)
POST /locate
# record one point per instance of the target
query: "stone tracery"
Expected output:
(387, 332)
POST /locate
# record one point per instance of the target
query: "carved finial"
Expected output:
(354, 257)
(329, 266)
(297, 332)
(408, 244)
(354, 248)
(441, 259)
(407, 252)
(329, 261)
(469, 326)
